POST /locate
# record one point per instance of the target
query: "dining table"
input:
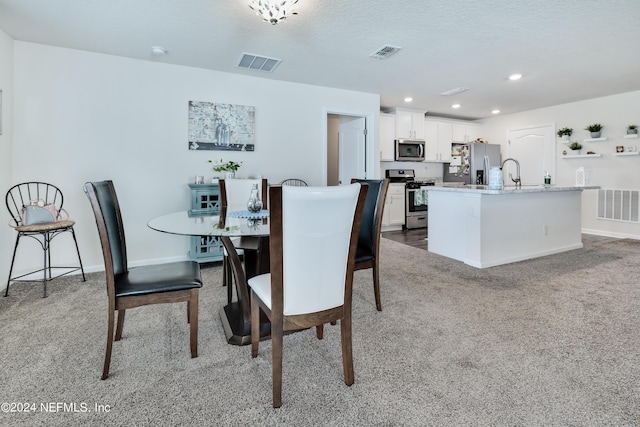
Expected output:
(236, 314)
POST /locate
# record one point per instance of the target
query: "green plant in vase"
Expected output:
(632, 130)
(595, 130)
(575, 147)
(228, 168)
(565, 133)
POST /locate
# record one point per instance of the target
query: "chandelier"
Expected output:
(273, 11)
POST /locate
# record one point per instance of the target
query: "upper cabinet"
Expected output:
(439, 135)
(409, 123)
(387, 135)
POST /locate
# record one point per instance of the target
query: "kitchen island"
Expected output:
(485, 228)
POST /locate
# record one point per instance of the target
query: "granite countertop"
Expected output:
(484, 189)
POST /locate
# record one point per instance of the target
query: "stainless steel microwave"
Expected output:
(411, 150)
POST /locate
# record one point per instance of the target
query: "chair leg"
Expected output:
(45, 248)
(347, 353)
(120, 324)
(107, 356)
(6, 292)
(255, 325)
(376, 286)
(276, 362)
(193, 322)
(73, 233)
(320, 331)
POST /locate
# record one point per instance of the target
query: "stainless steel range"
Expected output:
(416, 201)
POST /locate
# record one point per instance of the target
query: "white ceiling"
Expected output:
(567, 50)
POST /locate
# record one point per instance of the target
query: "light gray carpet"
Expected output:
(553, 341)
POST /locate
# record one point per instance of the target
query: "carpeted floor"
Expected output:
(553, 341)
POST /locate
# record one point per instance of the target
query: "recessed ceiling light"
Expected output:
(158, 50)
(408, 99)
(516, 76)
(495, 111)
(455, 106)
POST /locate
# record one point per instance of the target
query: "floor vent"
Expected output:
(385, 51)
(619, 205)
(260, 63)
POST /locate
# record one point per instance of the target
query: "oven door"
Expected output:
(417, 200)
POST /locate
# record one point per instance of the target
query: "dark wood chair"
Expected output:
(17, 198)
(234, 194)
(130, 288)
(311, 275)
(367, 255)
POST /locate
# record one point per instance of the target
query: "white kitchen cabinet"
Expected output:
(409, 123)
(393, 216)
(387, 135)
(445, 138)
(432, 151)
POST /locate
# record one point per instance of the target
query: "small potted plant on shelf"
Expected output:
(228, 168)
(632, 130)
(595, 130)
(565, 133)
(575, 147)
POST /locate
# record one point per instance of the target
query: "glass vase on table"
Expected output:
(254, 204)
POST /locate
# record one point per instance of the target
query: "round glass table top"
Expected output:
(187, 224)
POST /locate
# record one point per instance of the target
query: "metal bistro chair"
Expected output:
(294, 182)
(17, 198)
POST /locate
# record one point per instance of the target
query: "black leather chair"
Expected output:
(153, 284)
(367, 255)
(18, 197)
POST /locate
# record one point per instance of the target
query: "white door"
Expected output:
(533, 148)
(352, 149)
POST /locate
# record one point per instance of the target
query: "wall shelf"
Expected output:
(604, 138)
(581, 156)
(627, 154)
(633, 135)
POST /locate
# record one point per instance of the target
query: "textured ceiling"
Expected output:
(567, 50)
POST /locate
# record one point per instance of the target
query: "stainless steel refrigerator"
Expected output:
(470, 163)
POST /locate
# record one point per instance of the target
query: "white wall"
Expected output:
(615, 113)
(82, 116)
(7, 235)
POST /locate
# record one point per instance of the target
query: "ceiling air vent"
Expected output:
(260, 63)
(455, 91)
(385, 51)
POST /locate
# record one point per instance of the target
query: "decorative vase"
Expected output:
(229, 175)
(254, 204)
(595, 134)
(632, 131)
(565, 137)
(575, 152)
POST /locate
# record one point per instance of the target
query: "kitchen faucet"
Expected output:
(517, 178)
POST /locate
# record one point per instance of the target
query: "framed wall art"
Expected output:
(226, 127)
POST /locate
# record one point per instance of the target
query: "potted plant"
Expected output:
(565, 133)
(595, 130)
(575, 147)
(229, 168)
(632, 130)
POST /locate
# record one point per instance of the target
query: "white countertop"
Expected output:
(484, 189)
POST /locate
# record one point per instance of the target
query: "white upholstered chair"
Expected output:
(313, 239)
(234, 194)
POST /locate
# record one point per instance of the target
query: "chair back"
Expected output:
(234, 193)
(369, 237)
(106, 209)
(23, 194)
(295, 182)
(313, 239)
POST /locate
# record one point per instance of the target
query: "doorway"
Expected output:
(346, 148)
(533, 147)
